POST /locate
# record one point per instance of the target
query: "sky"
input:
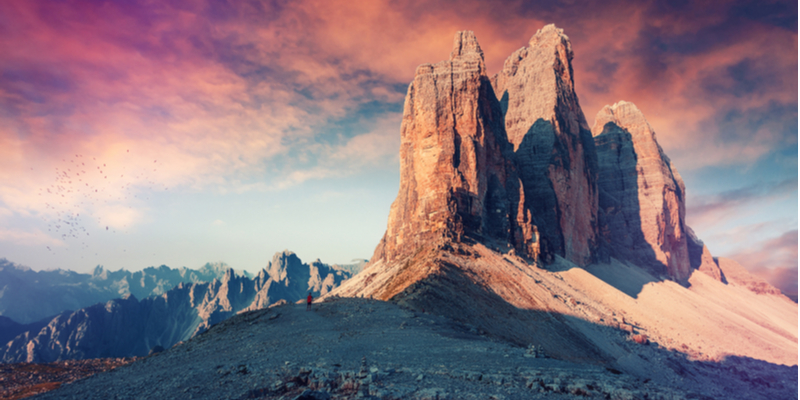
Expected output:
(143, 133)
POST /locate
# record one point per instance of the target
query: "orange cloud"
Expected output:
(258, 96)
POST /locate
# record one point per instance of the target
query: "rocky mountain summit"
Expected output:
(553, 149)
(642, 196)
(510, 162)
(127, 326)
(526, 256)
(514, 216)
(521, 170)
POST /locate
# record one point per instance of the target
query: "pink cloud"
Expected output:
(711, 210)
(775, 261)
(236, 96)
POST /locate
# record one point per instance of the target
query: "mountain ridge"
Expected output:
(128, 326)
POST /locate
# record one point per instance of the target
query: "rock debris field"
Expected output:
(359, 348)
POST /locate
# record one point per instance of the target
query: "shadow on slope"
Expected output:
(454, 293)
(618, 203)
(624, 277)
(451, 292)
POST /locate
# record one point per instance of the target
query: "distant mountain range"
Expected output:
(28, 296)
(176, 305)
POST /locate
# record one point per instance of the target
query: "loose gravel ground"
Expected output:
(359, 348)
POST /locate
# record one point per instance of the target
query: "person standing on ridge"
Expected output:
(308, 301)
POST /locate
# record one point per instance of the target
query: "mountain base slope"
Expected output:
(348, 348)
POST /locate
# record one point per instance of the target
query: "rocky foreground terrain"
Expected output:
(23, 380)
(362, 348)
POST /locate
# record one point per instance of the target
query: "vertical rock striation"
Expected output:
(553, 149)
(641, 194)
(510, 160)
(455, 175)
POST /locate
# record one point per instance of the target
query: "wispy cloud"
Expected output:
(29, 238)
(713, 209)
(249, 96)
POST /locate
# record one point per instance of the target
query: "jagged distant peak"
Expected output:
(218, 266)
(219, 269)
(285, 255)
(4, 263)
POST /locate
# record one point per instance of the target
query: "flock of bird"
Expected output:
(82, 186)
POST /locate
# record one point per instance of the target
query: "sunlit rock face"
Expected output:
(509, 158)
(492, 172)
(456, 177)
(553, 148)
(642, 196)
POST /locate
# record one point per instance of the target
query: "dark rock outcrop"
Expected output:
(700, 257)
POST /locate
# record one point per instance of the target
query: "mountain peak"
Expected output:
(465, 44)
(456, 179)
(623, 113)
(553, 150)
(550, 31)
(642, 195)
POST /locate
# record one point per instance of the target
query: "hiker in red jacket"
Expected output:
(308, 301)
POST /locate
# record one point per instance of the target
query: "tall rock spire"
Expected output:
(642, 195)
(553, 149)
(455, 176)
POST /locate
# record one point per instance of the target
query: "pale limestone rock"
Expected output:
(553, 148)
(642, 196)
(455, 177)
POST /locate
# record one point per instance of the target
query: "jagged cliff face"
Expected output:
(510, 163)
(509, 158)
(286, 277)
(455, 175)
(642, 196)
(553, 149)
